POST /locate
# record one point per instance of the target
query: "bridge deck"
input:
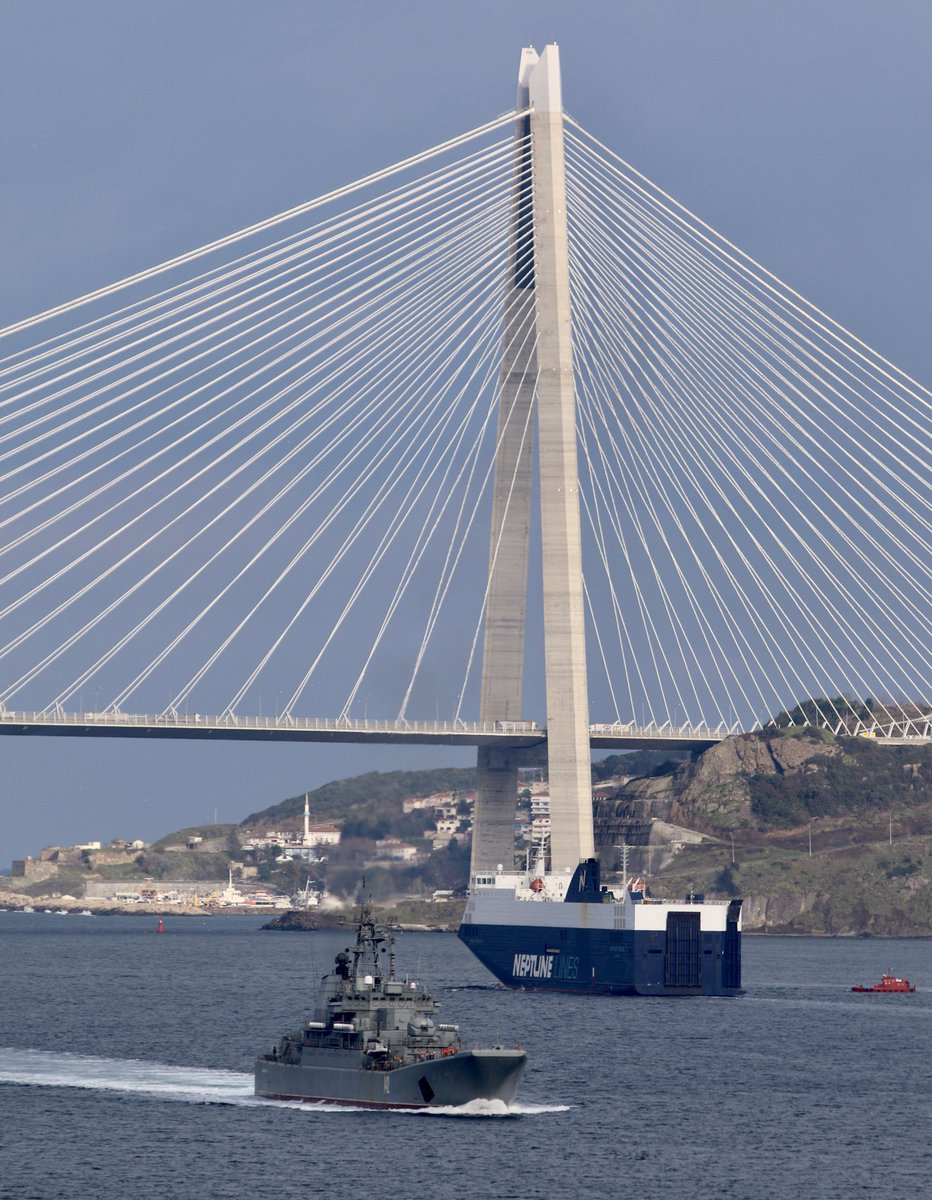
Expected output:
(514, 734)
(505, 734)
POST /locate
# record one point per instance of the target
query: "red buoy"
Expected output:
(160, 928)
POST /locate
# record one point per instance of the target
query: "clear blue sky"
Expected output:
(132, 131)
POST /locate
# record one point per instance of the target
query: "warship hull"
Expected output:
(448, 1081)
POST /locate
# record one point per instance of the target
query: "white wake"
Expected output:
(198, 1085)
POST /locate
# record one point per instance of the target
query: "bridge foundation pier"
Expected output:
(493, 837)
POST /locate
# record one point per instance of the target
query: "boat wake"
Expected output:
(42, 1068)
(199, 1085)
(488, 1108)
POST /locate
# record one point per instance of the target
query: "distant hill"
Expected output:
(867, 806)
(376, 791)
(363, 794)
(753, 799)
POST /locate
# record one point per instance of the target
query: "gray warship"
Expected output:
(373, 1042)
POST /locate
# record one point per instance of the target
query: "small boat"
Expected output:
(888, 983)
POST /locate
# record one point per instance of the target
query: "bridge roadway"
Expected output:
(524, 735)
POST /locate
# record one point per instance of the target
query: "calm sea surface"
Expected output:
(125, 1072)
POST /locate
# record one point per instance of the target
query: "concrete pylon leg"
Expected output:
(568, 755)
(506, 602)
(494, 831)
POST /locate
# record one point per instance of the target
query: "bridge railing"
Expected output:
(697, 732)
(907, 729)
(919, 727)
(113, 717)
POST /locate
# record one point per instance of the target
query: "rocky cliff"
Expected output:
(820, 835)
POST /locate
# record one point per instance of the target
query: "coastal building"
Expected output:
(442, 803)
(322, 835)
(33, 870)
(394, 848)
(295, 844)
(415, 803)
(148, 891)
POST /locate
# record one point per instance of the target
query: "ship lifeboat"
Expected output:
(888, 983)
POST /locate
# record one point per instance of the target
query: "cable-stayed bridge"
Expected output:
(261, 478)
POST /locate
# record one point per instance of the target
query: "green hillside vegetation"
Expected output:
(446, 868)
(825, 710)
(68, 882)
(760, 798)
(365, 797)
(639, 762)
(191, 864)
(863, 889)
(369, 805)
(863, 776)
(207, 832)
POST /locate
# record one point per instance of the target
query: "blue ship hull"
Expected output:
(609, 962)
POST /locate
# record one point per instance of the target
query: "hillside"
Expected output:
(819, 834)
(372, 798)
(757, 799)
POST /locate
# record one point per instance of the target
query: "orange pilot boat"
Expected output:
(888, 983)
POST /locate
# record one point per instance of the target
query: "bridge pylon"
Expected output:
(537, 381)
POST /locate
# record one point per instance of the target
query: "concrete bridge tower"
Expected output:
(537, 390)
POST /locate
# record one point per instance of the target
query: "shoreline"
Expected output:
(336, 919)
(331, 919)
(12, 902)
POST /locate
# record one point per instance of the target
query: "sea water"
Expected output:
(126, 1059)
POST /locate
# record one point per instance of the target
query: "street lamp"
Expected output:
(811, 819)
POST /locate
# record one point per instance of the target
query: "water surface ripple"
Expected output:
(125, 1069)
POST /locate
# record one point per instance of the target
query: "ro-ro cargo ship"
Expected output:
(564, 931)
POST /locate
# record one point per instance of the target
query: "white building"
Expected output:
(395, 848)
(322, 835)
